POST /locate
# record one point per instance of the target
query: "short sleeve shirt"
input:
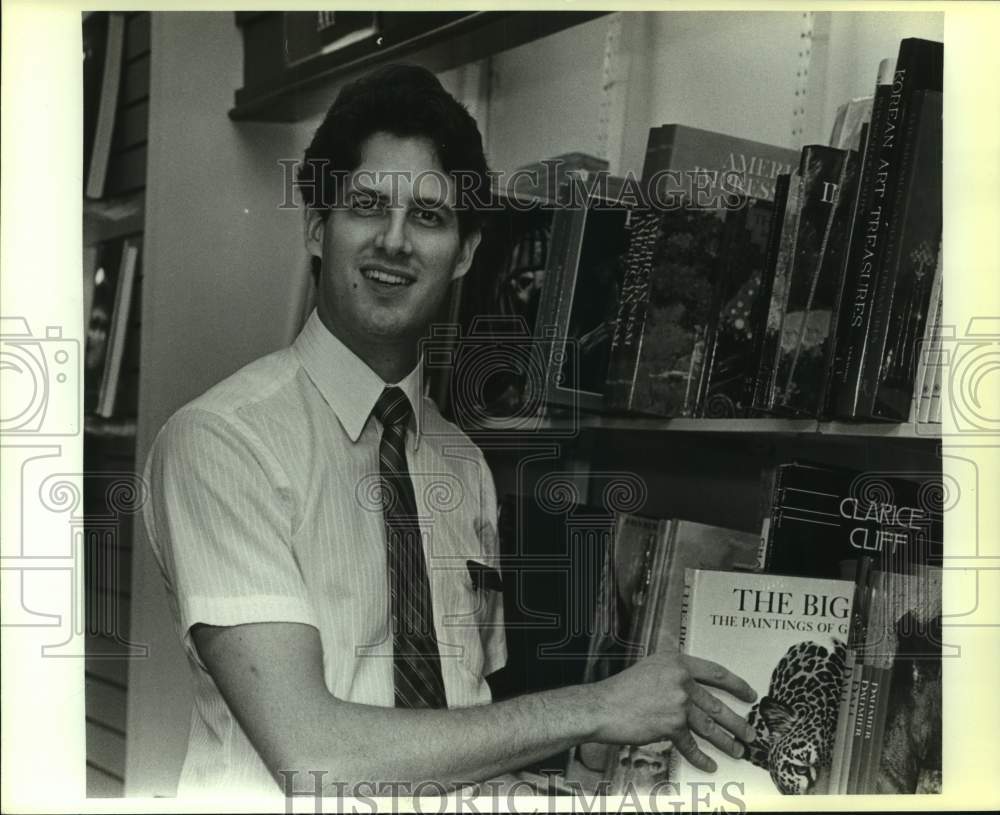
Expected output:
(265, 508)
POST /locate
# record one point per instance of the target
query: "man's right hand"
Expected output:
(662, 697)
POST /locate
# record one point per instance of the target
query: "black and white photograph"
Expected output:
(541, 409)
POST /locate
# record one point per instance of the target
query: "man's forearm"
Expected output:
(353, 743)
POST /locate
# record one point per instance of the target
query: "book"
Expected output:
(102, 286)
(906, 740)
(118, 335)
(929, 348)
(800, 358)
(901, 305)
(823, 519)
(672, 268)
(763, 383)
(616, 640)
(101, 125)
(850, 688)
(685, 544)
(918, 67)
(851, 117)
(705, 167)
(788, 633)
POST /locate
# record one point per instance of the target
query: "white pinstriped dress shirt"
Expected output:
(265, 509)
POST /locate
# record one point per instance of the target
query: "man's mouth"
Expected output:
(382, 275)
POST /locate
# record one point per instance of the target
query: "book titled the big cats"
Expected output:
(786, 637)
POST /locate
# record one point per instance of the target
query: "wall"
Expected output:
(224, 267)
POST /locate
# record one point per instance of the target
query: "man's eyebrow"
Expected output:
(433, 202)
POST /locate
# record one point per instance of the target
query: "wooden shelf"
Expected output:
(110, 218)
(767, 426)
(292, 93)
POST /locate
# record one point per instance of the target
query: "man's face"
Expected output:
(391, 250)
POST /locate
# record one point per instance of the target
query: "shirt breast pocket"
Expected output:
(479, 588)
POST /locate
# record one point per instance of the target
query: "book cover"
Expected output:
(763, 383)
(733, 339)
(918, 67)
(906, 741)
(902, 301)
(661, 372)
(823, 519)
(851, 118)
(118, 335)
(702, 166)
(617, 639)
(789, 635)
(805, 320)
(690, 546)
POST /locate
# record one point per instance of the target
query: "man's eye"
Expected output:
(429, 217)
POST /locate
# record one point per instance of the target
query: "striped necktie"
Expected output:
(416, 660)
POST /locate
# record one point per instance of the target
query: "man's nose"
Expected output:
(395, 239)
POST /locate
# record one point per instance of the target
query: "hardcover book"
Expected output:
(788, 634)
(777, 294)
(687, 545)
(704, 167)
(902, 302)
(919, 66)
(823, 519)
(800, 359)
(672, 269)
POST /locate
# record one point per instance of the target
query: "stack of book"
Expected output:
(815, 294)
(832, 614)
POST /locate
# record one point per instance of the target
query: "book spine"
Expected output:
(799, 360)
(763, 396)
(851, 687)
(869, 687)
(857, 280)
(918, 67)
(758, 316)
(883, 660)
(119, 331)
(110, 85)
(626, 342)
(832, 273)
(900, 307)
(929, 348)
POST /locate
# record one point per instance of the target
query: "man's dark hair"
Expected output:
(406, 101)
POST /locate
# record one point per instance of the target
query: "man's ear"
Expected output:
(469, 245)
(314, 229)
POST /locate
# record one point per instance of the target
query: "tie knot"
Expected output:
(392, 408)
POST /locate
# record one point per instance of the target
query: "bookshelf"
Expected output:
(113, 229)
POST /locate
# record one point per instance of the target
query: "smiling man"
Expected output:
(339, 617)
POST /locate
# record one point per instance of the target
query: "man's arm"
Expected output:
(271, 676)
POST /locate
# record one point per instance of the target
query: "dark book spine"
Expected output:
(858, 272)
(763, 395)
(631, 320)
(918, 67)
(903, 297)
(725, 355)
(799, 358)
(762, 301)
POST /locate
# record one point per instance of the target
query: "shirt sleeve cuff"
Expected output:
(228, 611)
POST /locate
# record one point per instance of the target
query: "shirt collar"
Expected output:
(346, 382)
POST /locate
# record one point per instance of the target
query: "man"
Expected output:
(327, 602)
